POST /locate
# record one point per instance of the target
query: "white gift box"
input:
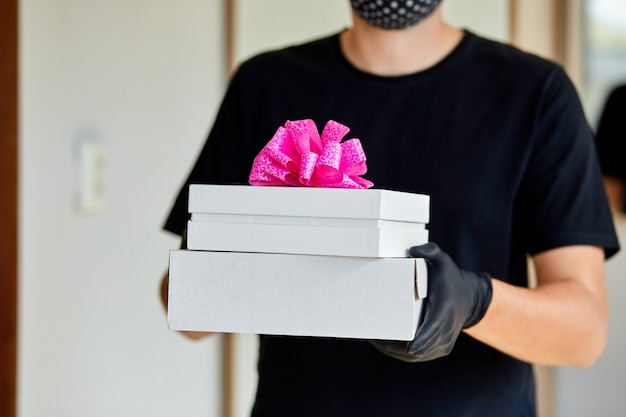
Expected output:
(305, 220)
(298, 295)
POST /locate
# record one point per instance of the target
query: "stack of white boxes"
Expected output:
(300, 261)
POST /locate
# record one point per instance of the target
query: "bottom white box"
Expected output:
(297, 295)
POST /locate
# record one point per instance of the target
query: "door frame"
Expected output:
(8, 205)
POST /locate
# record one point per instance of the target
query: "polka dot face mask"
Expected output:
(394, 14)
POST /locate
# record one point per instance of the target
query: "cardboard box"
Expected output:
(298, 295)
(310, 202)
(273, 234)
(310, 221)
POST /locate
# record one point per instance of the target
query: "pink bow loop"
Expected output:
(298, 156)
(353, 158)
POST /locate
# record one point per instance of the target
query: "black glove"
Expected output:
(456, 300)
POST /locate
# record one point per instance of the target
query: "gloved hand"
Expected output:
(456, 300)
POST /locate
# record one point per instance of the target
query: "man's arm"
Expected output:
(563, 321)
(164, 287)
(163, 290)
(614, 187)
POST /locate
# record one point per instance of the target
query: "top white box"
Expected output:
(310, 202)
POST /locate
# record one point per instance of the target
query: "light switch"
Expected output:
(92, 187)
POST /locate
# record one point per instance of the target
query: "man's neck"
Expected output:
(399, 52)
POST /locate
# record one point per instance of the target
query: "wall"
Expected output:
(261, 25)
(142, 78)
(489, 18)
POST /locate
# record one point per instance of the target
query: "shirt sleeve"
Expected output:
(562, 198)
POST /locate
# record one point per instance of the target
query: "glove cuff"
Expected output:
(482, 298)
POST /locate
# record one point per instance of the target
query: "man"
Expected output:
(499, 141)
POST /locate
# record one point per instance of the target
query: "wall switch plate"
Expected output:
(92, 164)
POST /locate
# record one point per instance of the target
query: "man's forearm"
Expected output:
(561, 322)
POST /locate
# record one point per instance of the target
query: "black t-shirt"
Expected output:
(611, 136)
(499, 141)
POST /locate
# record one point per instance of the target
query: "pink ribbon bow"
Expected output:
(297, 155)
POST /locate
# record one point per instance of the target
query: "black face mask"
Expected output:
(394, 14)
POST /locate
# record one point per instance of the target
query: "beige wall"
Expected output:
(143, 79)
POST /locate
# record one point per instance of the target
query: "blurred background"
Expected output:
(114, 100)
